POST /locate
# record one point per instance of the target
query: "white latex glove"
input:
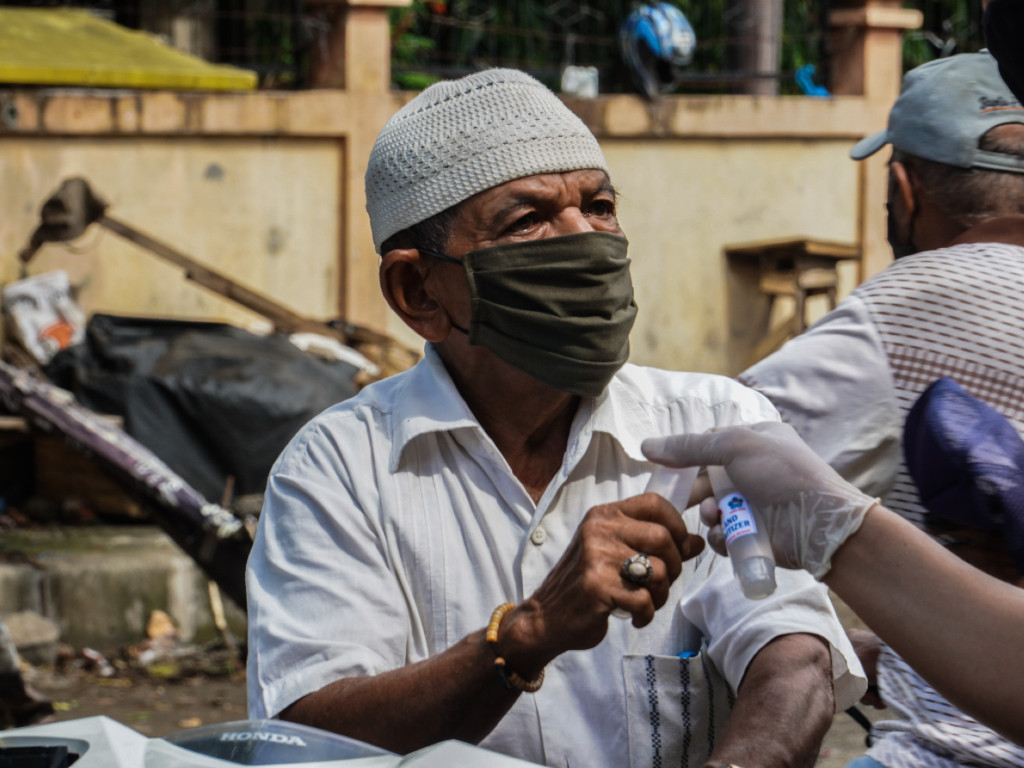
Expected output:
(808, 508)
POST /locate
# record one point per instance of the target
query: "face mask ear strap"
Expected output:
(444, 257)
(438, 255)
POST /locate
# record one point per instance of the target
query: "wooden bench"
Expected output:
(796, 268)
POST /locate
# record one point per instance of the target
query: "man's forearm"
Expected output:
(454, 695)
(784, 706)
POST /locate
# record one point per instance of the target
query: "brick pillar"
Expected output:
(867, 37)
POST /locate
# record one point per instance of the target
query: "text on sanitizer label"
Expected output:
(737, 519)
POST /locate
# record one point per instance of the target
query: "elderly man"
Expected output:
(461, 534)
(948, 306)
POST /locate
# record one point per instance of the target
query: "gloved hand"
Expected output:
(808, 508)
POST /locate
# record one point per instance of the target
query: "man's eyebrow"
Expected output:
(517, 202)
(610, 189)
(527, 199)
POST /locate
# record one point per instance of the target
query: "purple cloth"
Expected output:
(967, 461)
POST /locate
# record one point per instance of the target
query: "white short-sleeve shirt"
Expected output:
(393, 527)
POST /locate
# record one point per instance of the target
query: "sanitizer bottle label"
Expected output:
(737, 519)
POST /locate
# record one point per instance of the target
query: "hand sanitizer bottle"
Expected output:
(746, 538)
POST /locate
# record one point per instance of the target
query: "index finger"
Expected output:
(715, 447)
(701, 488)
(652, 508)
(689, 450)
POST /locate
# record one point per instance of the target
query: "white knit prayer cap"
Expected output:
(460, 137)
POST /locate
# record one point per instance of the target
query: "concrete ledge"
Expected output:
(100, 584)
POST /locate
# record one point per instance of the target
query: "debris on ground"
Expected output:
(154, 706)
(20, 704)
(32, 693)
(35, 637)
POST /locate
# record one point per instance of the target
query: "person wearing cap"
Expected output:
(947, 307)
(441, 556)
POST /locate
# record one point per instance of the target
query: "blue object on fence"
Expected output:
(805, 79)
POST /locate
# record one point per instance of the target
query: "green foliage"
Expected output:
(408, 48)
(950, 27)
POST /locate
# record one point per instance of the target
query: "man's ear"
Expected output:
(906, 185)
(404, 281)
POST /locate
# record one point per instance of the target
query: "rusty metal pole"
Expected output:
(754, 34)
(327, 49)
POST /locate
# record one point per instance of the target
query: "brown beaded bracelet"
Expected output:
(508, 678)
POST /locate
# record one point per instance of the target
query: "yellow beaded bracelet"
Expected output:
(508, 678)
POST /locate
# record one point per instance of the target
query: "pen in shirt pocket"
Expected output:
(691, 638)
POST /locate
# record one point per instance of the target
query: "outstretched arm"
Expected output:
(933, 609)
(930, 606)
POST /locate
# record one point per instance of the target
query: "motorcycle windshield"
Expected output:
(263, 742)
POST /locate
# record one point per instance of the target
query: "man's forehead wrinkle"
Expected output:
(514, 204)
(536, 189)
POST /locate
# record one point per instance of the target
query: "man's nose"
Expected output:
(571, 221)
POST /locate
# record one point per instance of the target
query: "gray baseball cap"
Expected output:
(944, 108)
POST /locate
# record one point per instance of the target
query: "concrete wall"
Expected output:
(262, 210)
(683, 201)
(100, 584)
(273, 212)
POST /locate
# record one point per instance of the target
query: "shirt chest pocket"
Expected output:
(675, 708)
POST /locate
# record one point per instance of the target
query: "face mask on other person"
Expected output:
(558, 308)
(899, 248)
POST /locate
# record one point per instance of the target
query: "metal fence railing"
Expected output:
(443, 39)
(432, 39)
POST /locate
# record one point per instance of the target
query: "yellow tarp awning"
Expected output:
(73, 47)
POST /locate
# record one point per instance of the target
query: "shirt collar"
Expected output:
(620, 412)
(430, 402)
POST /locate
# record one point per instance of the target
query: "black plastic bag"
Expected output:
(209, 399)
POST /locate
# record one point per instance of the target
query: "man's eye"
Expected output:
(522, 223)
(602, 208)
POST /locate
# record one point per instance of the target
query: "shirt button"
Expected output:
(539, 536)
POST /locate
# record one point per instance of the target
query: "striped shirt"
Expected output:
(954, 312)
(846, 385)
(930, 732)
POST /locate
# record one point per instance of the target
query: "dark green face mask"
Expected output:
(559, 308)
